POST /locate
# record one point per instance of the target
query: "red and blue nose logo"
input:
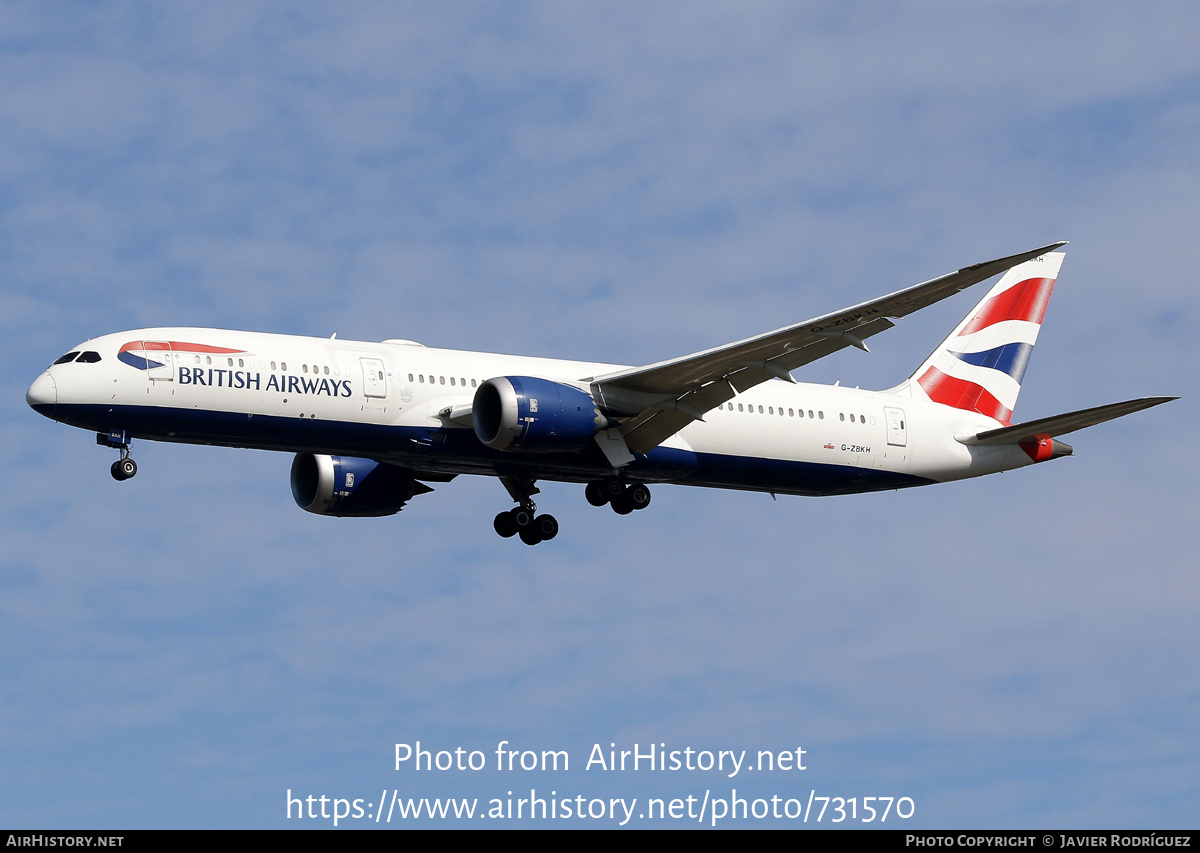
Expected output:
(147, 355)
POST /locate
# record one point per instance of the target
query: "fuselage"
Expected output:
(395, 401)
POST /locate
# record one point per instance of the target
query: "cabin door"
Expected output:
(897, 434)
(374, 377)
(160, 361)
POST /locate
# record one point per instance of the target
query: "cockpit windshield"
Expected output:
(85, 357)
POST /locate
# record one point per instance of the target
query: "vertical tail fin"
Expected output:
(980, 366)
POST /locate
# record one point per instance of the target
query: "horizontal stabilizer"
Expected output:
(1062, 424)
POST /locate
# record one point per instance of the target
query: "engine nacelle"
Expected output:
(346, 486)
(527, 413)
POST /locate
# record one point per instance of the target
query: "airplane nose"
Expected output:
(43, 395)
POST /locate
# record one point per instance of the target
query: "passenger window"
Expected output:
(760, 411)
(770, 410)
(283, 366)
(820, 416)
(441, 380)
(89, 357)
(304, 368)
(241, 363)
(68, 357)
(451, 380)
(792, 414)
(272, 363)
(472, 383)
(327, 370)
(739, 407)
(810, 414)
(230, 362)
(410, 377)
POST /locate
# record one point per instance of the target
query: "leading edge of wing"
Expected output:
(749, 362)
(660, 399)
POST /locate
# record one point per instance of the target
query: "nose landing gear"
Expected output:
(125, 467)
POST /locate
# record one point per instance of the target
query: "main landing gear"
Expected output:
(623, 499)
(125, 467)
(523, 520)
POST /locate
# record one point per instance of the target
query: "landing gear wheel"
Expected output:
(634, 497)
(595, 493)
(638, 496)
(520, 521)
(123, 469)
(543, 528)
(612, 488)
(505, 525)
(546, 527)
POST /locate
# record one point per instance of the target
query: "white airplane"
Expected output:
(372, 423)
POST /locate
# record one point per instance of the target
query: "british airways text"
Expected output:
(220, 378)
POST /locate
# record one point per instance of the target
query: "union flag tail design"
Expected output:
(980, 366)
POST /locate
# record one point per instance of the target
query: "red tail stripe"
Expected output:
(960, 394)
(1024, 301)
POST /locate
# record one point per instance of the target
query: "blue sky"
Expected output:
(620, 182)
